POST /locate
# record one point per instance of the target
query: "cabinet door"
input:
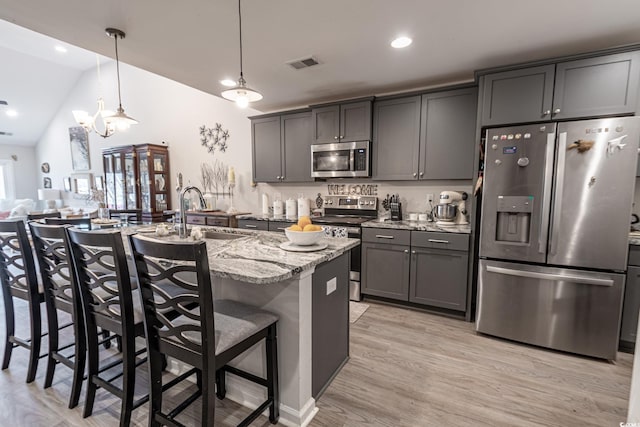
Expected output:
(253, 224)
(279, 226)
(447, 136)
(325, 123)
(439, 278)
(396, 139)
(110, 180)
(597, 86)
(355, 121)
(517, 96)
(385, 270)
(296, 145)
(265, 142)
(131, 187)
(631, 305)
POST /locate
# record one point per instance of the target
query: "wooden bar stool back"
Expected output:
(100, 266)
(205, 335)
(84, 223)
(60, 293)
(20, 280)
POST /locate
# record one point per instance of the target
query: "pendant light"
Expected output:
(119, 119)
(241, 93)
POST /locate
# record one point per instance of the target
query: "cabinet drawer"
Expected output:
(451, 241)
(218, 221)
(634, 255)
(279, 226)
(252, 224)
(386, 235)
(196, 219)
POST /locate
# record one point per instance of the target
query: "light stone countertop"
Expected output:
(418, 226)
(257, 257)
(270, 217)
(634, 238)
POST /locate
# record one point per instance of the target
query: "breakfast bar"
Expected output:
(307, 290)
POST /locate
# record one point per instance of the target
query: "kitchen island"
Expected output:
(297, 286)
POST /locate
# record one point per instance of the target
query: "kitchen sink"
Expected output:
(221, 236)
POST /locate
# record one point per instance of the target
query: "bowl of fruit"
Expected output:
(304, 233)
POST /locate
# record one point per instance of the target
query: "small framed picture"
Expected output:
(67, 183)
(99, 182)
(81, 183)
(47, 182)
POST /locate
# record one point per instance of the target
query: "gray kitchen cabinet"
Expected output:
(281, 148)
(396, 139)
(279, 226)
(629, 327)
(252, 224)
(598, 86)
(344, 122)
(591, 87)
(524, 95)
(447, 136)
(439, 278)
(265, 145)
(385, 270)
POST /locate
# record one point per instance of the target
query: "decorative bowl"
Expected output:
(303, 238)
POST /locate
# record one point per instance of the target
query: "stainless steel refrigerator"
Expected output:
(554, 233)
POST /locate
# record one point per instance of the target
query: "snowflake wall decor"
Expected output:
(214, 137)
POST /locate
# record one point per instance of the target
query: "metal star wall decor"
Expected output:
(214, 137)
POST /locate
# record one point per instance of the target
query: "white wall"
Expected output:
(26, 180)
(167, 111)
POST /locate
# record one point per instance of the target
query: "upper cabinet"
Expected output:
(597, 86)
(344, 122)
(281, 148)
(425, 137)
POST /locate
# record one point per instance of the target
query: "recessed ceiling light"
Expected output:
(11, 113)
(228, 82)
(61, 49)
(401, 42)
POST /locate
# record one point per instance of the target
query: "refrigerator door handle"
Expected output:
(551, 276)
(557, 204)
(546, 193)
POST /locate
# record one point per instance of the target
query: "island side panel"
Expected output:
(291, 300)
(330, 318)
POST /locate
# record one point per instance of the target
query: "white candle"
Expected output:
(232, 176)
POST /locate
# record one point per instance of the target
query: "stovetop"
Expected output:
(341, 220)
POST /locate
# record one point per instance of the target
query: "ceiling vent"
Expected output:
(5, 133)
(303, 63)
(3, 102)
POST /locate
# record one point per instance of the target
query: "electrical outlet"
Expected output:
(430, 197)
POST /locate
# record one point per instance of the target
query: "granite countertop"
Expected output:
(418, 226)
(634, 238)
(269, 217)
(257, 257)
(214, 212)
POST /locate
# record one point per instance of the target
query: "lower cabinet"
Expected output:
(252, 224)
(279, 226)
(429, 269)
(631, 305)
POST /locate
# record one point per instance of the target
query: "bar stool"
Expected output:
(205, 335)
(102, 275)
(84, 223)
(20, 280)
(33, 217)
(132, 214)
(60, 293)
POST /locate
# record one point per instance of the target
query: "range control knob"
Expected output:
(523, 161)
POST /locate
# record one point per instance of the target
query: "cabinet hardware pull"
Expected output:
(421, 173)
(341, 136)
(406, 251)
(415, 174)
(439, 241)
(280, 228)
(556, 111)
(250, 226)
(546, 112)
(382, 236)
(335, 137)
(413, 252)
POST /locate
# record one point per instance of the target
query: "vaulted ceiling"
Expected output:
(196, 42)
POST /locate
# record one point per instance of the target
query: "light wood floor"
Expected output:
(407, 368)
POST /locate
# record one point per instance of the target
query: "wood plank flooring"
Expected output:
(407, 368)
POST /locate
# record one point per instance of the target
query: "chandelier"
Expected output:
(110, 121)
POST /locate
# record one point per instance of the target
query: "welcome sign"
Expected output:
(352, 189)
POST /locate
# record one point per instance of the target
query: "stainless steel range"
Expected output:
(342, 218)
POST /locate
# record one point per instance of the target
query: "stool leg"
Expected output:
(221, 383)
(273, 391)
(155, 393)
(80, 358)
(52, 324)
(208, 395)
(36, 338)
(92, 368)
(128, 379)
(11, 327)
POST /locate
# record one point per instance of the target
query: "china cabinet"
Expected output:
(137, 177)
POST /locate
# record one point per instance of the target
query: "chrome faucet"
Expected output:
(182, 231)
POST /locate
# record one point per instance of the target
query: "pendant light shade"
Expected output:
(241, 94)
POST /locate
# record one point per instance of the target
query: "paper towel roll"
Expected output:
(278, 207)
(265, 204)
(303, 207)
(291, 209)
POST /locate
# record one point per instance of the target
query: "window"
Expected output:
(7, 182)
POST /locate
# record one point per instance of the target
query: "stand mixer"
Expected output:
(452, 209)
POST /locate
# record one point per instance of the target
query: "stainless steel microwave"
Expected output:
(341, 160)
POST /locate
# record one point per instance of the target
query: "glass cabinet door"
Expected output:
(130, 181)
(119, 181)
(145, 187)
(161, 181)
(110, 184)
